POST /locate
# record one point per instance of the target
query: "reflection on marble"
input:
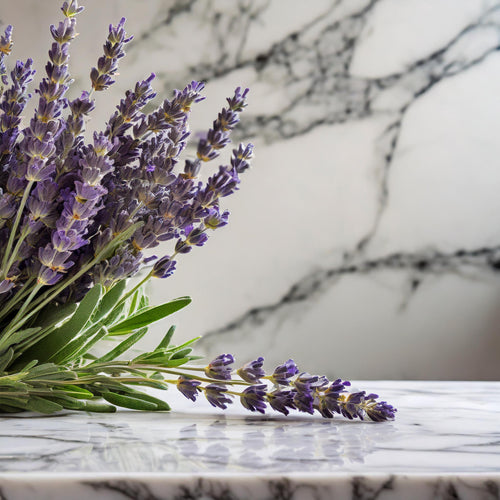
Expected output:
(444, 444)
(369, 218)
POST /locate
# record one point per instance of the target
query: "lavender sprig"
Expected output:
(289, 390)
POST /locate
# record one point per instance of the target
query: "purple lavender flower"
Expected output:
(283, 373)
(5, 49)
(304, 400)
(379, 411)
(352, 405)
(220, 367)
(188, 387)
(107, 65)
(281, 400)
(253, 398)
(164, 267)
(215, 219)
(330, 400)
(216, 396)
(252, 372)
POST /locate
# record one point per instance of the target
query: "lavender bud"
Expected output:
(216, 397)
(283, 373)
(220, 367)
(281, 401)
(252, 372)
(188, 387)
(253, 397)
(164, 267)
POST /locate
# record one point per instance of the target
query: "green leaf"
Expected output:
(6, 358)
(22, 335)
(54, 314)
(171, 363)
(109, 301)
(42, 405)
(116, 314)
(167, 339)
(134, 403)
(149, 315)
(48, 371)
(28, 366)
(76, 391)
(88, 345)
(160, 404)
(144, 300)
(182, 353)
(134, 301)
(122, 346)
(182, 346)
(98, 407)
(46, 348)
(9, 409)
(70, 351)
(67, 402)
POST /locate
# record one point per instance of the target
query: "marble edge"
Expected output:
(235, 476)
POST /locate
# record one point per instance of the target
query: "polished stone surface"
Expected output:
(369, 220)
(444, 443)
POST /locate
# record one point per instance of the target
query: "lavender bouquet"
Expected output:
(75, 218)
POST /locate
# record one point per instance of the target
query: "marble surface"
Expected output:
(443, 444)
(369, 219)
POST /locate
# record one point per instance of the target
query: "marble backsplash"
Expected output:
(364, 242)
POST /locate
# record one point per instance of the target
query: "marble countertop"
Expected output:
(444, 443)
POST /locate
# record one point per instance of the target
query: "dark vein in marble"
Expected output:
(127, 489)
(173, 12)
(362, 491)
(417, 264)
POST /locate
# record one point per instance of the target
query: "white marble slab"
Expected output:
(444, 444)
(370, 217)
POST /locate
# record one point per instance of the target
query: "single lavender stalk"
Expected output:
(107, 65)
(285, 390)
(290, 390)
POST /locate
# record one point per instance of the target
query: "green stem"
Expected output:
(134, 289)
(19, 314)
(13, 231)
(201, 379)
(13, 256)
(17, 297)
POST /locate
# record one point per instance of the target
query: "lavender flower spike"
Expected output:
(291, 391)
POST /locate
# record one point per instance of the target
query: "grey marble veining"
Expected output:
(369, 219)
(444, 443)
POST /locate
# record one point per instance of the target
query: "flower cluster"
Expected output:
(76, 214)
(284, 390)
